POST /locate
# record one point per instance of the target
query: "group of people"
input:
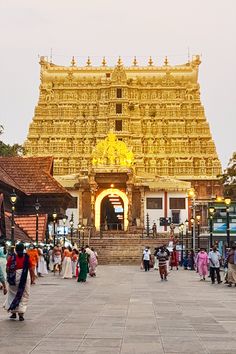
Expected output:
(205, 264)
(19, 269)
(213, 260)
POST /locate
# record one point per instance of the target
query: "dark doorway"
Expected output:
(112, 213)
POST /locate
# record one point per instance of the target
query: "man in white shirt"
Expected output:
(214, 260)
(146, 258)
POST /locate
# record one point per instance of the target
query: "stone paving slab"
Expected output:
(124, 311)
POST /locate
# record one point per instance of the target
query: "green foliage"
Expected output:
(10, 150)
(229, 178)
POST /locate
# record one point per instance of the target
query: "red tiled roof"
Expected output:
(19, 234)
(31, 175)
(28, 224)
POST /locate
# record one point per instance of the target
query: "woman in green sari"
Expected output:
(83, 265)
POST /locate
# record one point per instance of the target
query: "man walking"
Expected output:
(214, 261)
(146, 259)
(163, 257)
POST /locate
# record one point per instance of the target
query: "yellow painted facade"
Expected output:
(155, 110)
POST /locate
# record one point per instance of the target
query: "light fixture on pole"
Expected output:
(71, 227)
(192, 195)
(83, 227)
(198, 217)
(186, 241)
(193, 232)
(37, 206)
(64, 229)
(79, 229)
(211, 210)
(54, 216)
(13, 200)
(227, 203)
(181, 231)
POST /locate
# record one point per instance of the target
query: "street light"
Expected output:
(227, 203)
(211, 210)
(186, 241)
(71, 227)
(13, 200)
(64, 228)
(37, 206)
(83, 227)
(192, 195)
(193, 233)
(181, 231)
(79, 228)
(54, 215)
(198, 217)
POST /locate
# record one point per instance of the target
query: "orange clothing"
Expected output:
(33, 254)
(67, 253)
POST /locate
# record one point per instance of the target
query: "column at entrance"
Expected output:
(81, 206)
(142, 207)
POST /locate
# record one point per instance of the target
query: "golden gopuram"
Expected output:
(134, 134)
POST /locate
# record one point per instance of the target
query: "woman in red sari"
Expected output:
(19, 267)
(174, 259)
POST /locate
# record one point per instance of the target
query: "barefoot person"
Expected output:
(3, 281)
(57, 259)
(163, 258)
(18, 278)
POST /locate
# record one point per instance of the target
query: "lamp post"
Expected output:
(37, 206)
(198, 217)
(13, 200)
(71, 227)
(79, 228)
(192, 195)
(211, 210)
(192, 233)
(181, 231)
(64, 229)
(186, 241)
(227, 203)
(54, 216)
(83, 235)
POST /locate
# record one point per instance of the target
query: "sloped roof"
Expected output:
(19, 233)
(28, 224)
(31, 175)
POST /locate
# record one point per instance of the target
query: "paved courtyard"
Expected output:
(124, 310)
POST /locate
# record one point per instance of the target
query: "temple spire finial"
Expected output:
(73, 62)
(119, 62)
(104, 63)
(150, 61)
(135, 62)
(166, 61)
(88, 61)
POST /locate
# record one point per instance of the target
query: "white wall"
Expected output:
(156, 214)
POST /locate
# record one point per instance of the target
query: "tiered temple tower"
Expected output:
(155, 110)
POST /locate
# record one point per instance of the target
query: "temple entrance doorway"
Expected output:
(112, 213)
(111, 210)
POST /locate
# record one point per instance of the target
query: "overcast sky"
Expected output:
(113, 28)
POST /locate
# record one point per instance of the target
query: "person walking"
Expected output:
(57, 259)
(19, 272)
(67, 264)
(34, 257)
(146, 259)
(174, 259)
(214, 261)
(42, 265)
(231, 260)
(92, 261)
(202, 263)
(3, 281)
(83, 265)
(163, 257)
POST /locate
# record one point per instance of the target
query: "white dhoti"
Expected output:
(12, 290)
(42, 266)
(67, 268)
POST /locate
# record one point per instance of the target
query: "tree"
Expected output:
(229, 178)
(10, 150)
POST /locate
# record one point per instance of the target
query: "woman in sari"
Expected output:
(18, 277)
(202, 263)
(92, 261)
(83, 265)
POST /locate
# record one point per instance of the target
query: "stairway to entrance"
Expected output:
(124, 248)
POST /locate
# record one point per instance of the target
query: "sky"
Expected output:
(111, 28)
